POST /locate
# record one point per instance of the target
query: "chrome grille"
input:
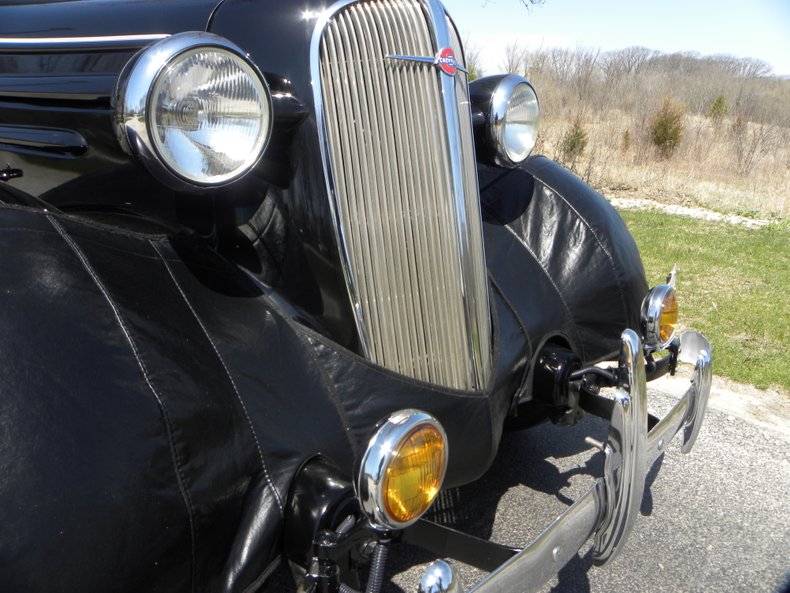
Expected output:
(399, 159)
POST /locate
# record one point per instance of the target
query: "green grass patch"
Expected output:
(733, 286)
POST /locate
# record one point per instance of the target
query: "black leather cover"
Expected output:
(156, 400)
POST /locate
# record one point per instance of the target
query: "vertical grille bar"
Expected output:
(406, 202)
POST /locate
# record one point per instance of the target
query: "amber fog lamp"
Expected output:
(194, 110)
(402, 470)
(659, 316)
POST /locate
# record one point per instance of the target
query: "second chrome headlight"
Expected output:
(510, 108)
(194, 109)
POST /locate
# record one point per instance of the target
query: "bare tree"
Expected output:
(513, 59)
(474, 62)
(585, 73)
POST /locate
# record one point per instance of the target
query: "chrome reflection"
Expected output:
(440, 577)
(145, 110)
(626, 448)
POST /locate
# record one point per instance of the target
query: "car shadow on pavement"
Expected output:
(553, 461)
(547, 459)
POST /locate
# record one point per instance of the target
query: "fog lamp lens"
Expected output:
(669, 318)
(414, 474)
(402, 469)
(659, 316)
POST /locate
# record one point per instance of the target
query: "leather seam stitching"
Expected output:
(609, 257)
(230, 377)
(556, 288)
(187, 499)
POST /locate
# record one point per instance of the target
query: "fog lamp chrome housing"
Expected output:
(194, 110)
(511, 110)
(659, 316)
(402, 470)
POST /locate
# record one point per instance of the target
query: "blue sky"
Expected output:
(745, 28)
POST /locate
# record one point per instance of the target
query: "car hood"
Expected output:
(88, 18)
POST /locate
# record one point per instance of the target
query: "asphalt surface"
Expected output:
(717, 519)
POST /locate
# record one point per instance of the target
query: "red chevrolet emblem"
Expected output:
(446, 61)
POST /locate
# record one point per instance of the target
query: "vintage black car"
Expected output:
(273, 275)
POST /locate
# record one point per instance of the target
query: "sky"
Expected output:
(745, 28)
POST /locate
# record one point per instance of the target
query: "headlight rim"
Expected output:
(131, 104)
(370, 477)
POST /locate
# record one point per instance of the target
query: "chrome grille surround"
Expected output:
(398, 155)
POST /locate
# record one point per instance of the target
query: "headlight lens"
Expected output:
(209, 115)
(194, 110)
(402, 470)
(519, 131)
(514, 119)
(659, 316)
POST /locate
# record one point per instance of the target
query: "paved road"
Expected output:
(717, 519)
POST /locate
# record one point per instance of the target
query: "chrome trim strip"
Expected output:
(109, 41)
(426, 60)
(323, 138)
(480, 360)
(419, 59)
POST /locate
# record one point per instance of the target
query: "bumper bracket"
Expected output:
(608, 509)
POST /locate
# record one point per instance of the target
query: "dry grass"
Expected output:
(703, 171)
(734, 155)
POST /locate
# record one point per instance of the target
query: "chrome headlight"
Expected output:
(659, 316)
(510, 107)
(194, 110)
(402, 469)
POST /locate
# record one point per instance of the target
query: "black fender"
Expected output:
(158, 401)
(156, 405)
(562, 256)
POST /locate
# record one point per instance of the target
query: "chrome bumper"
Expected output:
(609, 508)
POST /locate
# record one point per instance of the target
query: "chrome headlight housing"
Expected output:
(402, 469)
(511, 112)
(194, 110)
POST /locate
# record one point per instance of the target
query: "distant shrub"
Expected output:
(573, 143)
(666, 127)
(718, 109)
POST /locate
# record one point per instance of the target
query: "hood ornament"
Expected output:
(444, 60)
